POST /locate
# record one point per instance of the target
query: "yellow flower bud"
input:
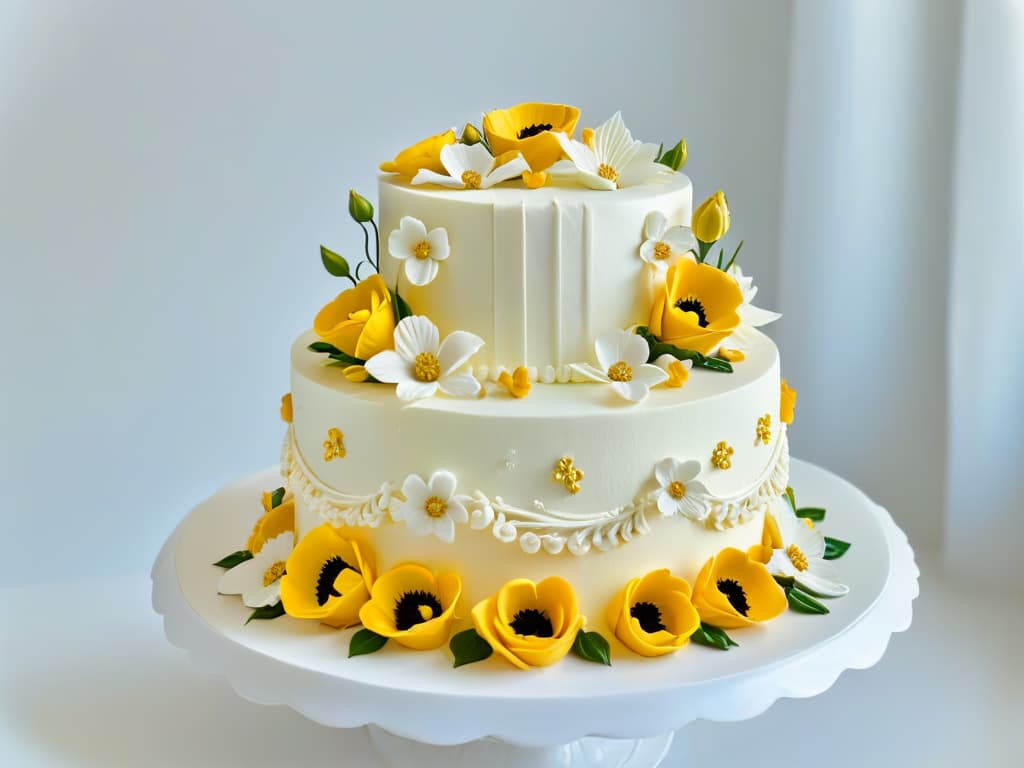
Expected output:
(359, 208)
(470, 135)
(711, 219)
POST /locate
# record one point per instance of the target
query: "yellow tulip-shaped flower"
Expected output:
(422, 154)
(653, 615)
(360, 322)
(787, 402)
(275, 521)
(696, 308)
(711, 219)
(327, 577)
(531, 625)
(412, 606)
(734, 591)
(530, 128)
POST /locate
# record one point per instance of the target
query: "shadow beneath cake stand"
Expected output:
(419, 711)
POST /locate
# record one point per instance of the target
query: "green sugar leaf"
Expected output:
(791, 497)
(230, 561)
(334, 263)
(593, 647)
(365, 641)
(675, 158)
(400, 306)
(323, 347)
(801, 602)
(267, 612)
(276, 497)
(468, 647)
(345, 359)
(815, 514)
(658, 348)
(713, 637)
(835, 548)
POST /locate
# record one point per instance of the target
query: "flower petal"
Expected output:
(426, 176)
(681, 239)
(414, 335)
(517, 166)
(389, 367)
(633, 350)
(442, 484)
(654, 225)
(580, 155)
(665, 471)
(415, 390)
(819, 585)
(461, 385)
(590, 372)
(755, 316)
(667, 505)
(420, 271)
(437, 239)
(412, 229)
(649, 375)
(457, 511)
(456, 349)
(647, 251)
(444, 528)
(634, 391)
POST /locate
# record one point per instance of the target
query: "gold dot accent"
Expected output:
(721, 456)
(567, 474)
(471, 180)
(605, 171)
(334, 445)
(797, 557)
(421, 250)
(764, 429)
(621, 371)
(435, 506)
(273, 573)
(676, 490)
(662, 250)
(426, 367)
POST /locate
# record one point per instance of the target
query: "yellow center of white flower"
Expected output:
(676, 490)
(426, 367)
(662, 250)
(620, 372)
(471, 180)
(435, 506)
(421, 250)
(797, 557)
(605, 171)
(273, 573)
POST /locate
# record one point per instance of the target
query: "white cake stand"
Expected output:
(422, 712)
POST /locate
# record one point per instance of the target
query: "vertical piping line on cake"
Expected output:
(494, 284)
(523, 277)
(557, 283)
(585, 303)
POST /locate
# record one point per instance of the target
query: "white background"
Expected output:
(167, 173)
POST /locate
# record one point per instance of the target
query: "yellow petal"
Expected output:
(378, 614)
(343, 322)
(422, 154)
(535, 180)
(686, 283)
(517, 383)
(286, 408)
(732, 355)
(711, 219)
(356, 373)
(764, 597)
(503, 128)
(485, 621)
(787, 404)
(273, 523)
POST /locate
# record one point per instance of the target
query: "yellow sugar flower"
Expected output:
(732, 590)
(771, 539)
(787, 402)
(422, 154)
(286, 407)
(696, 307)
(327, 577)
(711, 219)
(531, 128)
(653, 615)
(275, 521)
(517, 383)
(360, 322)
(412, 606)
(530, 625)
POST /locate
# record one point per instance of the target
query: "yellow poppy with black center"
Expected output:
(360, 322)
(274, 522)
(530, 625)
(653, 615)
(412, 606)
(327, 577)
(696, 307)
(422, 154)
(530, 128)
(733, 591)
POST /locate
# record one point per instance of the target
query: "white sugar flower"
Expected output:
(471, 166)
(610, 159)
(681, 493)
(623, 359)
(430, 507)
(665, 245)
(258, 580)
(419, 249)
(420, 364)
(749, 314)
(802, 556)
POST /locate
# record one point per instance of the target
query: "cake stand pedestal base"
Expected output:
(420, 711)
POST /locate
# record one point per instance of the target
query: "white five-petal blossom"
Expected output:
(664, 245)
(258, 580)
(421, 364)
(471, 166)
(419, 249)
(802, 556)
(622, 357)
(681, 493)
(431, 507)
(749, 314)
(612, 160)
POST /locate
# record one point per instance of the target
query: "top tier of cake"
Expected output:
(536, 273)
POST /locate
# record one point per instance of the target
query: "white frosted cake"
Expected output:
(539, 418)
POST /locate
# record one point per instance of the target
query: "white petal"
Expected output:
(634, 391)
(415, 490)
(590, 372)
(420, 271)
(634, 351)
(259, 596)
(236, 580)
(437, 239)
(415, 390)
(820, 586)
(580, 155)
(694, 487)
(389, 367)
(755, 316)
(419, 522)
(593, 181)
(412, 229)
(442, 484)
(398, 246)
(279, 547)
(514, 167)
(694, 507)
(414, 335)
(606, 347)
(647, 251)
(462, 385)
(681, 239)
(780, 563)
(456, 160)
(649, 375)
(654, 225)
(810, 540)
(639, 172)
(426, 176)
(667, 505)
(612, 140)
(457, 511)
(444, 528)
(685, 472)
(456, 349)
(665, 471)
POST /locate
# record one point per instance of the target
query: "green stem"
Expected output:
(702, 250)
(366, 242)
(734, 255)
(376, 241)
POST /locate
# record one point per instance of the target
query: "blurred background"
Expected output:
(168, 171)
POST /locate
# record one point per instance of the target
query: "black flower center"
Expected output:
(734, 593)
(328, 574)
(408, 611)
(533, 130)
(532, 623)
(648, 615)
(690, 304)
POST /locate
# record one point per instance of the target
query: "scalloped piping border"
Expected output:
(540, 528)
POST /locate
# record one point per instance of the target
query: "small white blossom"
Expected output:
(431, 507)
(471, 166)
(420, 250)
(622, 357)
(258, 580)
